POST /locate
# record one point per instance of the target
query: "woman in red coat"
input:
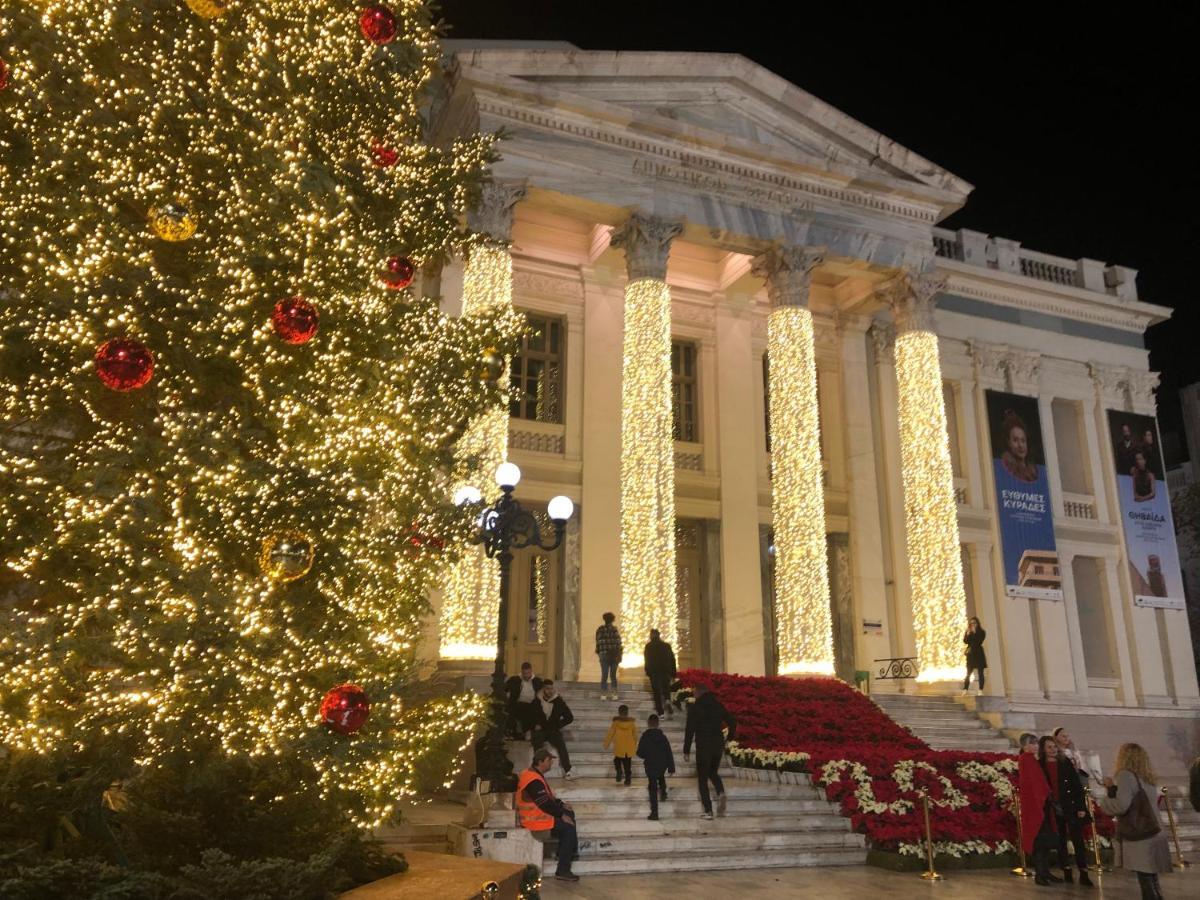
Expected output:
(1035, 798)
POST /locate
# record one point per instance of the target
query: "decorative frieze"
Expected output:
(526, 283)
(535, 441)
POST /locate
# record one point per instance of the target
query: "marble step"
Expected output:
(706, 860)
(683, 825)
(686, 804)
(718, 842)
(603, 788)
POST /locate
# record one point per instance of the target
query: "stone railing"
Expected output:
(978, 249)
(1179, 478)
(1079, 506)
(536, 437)
(689, 456)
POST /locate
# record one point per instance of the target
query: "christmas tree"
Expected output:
(227, 418)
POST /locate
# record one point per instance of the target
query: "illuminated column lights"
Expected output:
(471, 594)
(931, 513)
(803, 620)
(647, 441)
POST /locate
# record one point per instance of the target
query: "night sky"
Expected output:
(1070, 126)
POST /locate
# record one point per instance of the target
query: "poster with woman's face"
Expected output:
(1023, 498)
(1145, 511)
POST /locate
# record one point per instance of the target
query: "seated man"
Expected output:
(552, 716)
(539, 811)
(522, 701)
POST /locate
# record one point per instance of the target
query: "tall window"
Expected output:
(685, 405)
(536, 377)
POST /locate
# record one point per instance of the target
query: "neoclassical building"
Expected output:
(788, 405)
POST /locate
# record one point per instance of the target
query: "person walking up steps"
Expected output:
(608, 648)
(622, 735)
(655, 752)
(707, 723)
(660, 669)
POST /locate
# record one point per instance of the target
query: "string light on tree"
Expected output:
(647, 439)
(241, 431)
(930, 510)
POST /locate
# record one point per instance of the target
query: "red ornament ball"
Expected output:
(3, 74)
(124, 365)
(382, 155)
(398, 273)
(378, 23)
(295, 320)
(345, 708)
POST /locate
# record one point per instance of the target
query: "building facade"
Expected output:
(728, 197)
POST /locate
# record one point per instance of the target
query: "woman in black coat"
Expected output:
(976, 658)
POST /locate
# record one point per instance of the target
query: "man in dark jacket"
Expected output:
(655, 752)
(551, 717)
(522, 700)
(660, 669)
(707, 720)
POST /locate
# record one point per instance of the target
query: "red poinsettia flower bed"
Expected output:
(872, 767)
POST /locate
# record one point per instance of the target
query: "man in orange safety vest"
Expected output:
(540, 811)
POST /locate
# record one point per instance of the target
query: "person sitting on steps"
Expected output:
(551, 717)
(541, 812)
(522, 700)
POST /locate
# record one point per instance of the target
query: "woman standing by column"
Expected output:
(1131, 800)
(976, 658)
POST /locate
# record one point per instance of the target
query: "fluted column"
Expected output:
(802, 617)
(930, 511)
(647, 443)
(471, 597)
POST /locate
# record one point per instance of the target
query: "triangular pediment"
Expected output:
(717, 94)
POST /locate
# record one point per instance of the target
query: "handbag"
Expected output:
(1139, 821)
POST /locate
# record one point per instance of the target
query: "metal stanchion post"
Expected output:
(1021, 870)
(1179, 862)
(930, 874)
(1100, 867)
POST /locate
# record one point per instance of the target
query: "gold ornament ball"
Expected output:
(208, 9)
(287, 555)
(172, 222)
(490, 890)
(493, 365)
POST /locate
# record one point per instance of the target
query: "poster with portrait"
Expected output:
(1023, 498)
(1145, 511)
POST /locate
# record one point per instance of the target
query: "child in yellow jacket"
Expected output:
(623, 736)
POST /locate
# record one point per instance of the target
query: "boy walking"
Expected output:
(622, 735)
(655, 752)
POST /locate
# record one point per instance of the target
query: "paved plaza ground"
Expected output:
(853, 883)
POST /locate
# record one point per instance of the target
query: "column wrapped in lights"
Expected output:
(471, 594)
(931, 513)
(804, 627)
(647, 442)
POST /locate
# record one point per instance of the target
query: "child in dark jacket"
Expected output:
(655, 752)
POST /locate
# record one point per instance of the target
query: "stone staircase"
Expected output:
(765, 824)
(942, 723)
(429, 837)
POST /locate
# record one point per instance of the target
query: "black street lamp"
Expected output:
(503, 527)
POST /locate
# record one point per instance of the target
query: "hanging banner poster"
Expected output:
(1145, 511)
(1023, 498)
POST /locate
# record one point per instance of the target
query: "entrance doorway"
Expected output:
(690, 626)
(534, 610)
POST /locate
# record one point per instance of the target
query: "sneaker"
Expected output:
(569, 775)
(720, 804)
(619, 779)
(653, 817)
(1067, 877)
(566, 876)
(603, 695)
(628, 783)
(706, 815)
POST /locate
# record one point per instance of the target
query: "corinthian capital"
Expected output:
(788, 273)
(646, 241)
(494, 214)
(912, 298)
